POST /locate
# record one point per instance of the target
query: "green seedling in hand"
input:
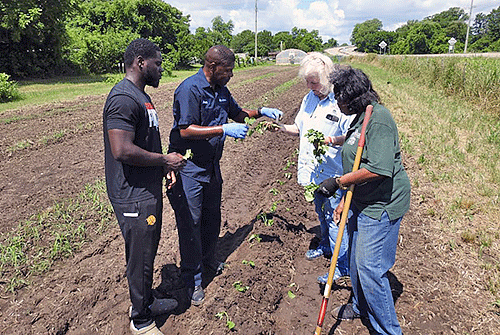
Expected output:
(188, 154)
(309, 191)
(317, 138)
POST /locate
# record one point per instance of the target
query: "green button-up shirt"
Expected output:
(381, 155)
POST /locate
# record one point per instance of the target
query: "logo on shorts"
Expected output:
(151, 220)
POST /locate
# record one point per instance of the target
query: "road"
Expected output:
(350, 50)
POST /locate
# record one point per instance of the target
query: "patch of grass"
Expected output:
(455, 142)
(44, 91)
(53, 234)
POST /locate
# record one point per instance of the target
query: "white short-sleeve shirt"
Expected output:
(325, 116)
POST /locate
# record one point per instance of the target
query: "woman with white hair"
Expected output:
(319, 111)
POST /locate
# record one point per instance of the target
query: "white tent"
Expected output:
(290, 56)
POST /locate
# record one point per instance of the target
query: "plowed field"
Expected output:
(437, 291)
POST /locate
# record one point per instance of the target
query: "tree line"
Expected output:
(63, 37)
(432, 34)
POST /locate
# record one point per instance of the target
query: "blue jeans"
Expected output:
(372, 252)
(329, 229)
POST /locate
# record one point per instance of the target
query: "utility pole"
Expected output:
(468, 26)
(255, 31)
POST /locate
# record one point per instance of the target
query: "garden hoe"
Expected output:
(343, 220)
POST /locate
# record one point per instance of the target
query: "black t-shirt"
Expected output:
(128, 108)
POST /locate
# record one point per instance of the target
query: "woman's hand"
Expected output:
(337, 213)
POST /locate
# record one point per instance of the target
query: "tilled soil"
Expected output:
(437, 289)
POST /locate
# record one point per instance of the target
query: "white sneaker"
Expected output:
(148, 330)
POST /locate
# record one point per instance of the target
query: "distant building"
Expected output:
(290, 56)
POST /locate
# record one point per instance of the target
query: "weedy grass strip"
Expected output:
(453, 141)
(53, 234)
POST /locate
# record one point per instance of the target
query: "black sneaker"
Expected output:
(159, 307)
(198, 296)
(163, 306)
(345, 312)
(215, 267)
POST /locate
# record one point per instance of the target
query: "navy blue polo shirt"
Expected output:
(195, 102)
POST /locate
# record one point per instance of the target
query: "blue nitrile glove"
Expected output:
(273, 113)
(236, 130)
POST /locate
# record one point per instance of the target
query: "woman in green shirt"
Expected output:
(380, 199)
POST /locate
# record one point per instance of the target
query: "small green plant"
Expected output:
(274, 191)
(8, 89)
(274, 206)
(188, 154)
(287, 165)
(229, 324)
(291, 295)
(287, 175)
(240, 287)
(255, 237)
(265, 218)
(317, 138)
(309, 191)
(251, 263)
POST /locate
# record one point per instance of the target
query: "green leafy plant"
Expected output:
(240, 287)
(309, 191)
(229, 324)
(280, 182)
(255, 237)
(188, 154)
(274, 191)
(8, 89)
(317, 138)
(259, 127)
(288, 164)
(265, 218)
(291, 295)
(251, 263)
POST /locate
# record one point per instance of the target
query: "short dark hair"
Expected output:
(139, 47)
(353, 88)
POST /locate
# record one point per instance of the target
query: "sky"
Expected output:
(332, 18)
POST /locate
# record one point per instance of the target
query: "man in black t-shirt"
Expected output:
(135, 167)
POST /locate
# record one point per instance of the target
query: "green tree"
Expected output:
(33, 33)
(362, 35)
(307, 41)
(331, 43)
(100, 31)
(284, 40)
(242, 39)
(486, 32)
(202, 41)
(222, 31)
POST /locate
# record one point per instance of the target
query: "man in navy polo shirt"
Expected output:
(202, 107)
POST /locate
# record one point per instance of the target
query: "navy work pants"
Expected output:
(197, 207)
